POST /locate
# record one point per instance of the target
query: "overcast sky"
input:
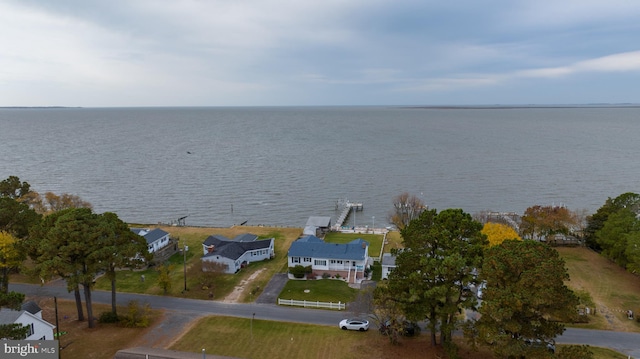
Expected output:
(318, 52)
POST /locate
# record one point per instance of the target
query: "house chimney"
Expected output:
(210, 248)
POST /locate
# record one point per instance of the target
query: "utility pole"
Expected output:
(185, 248)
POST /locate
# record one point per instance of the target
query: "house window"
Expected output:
(30, 330)
(307, 259)
(320, 262)
(295, 259)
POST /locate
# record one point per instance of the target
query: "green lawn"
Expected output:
(322, 290)
(267, 339)
(604, 353)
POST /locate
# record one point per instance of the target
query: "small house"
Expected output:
(156, 238)
(234, 254)
(388, 264)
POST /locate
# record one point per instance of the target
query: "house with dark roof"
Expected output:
(234, 254)
(156, 238)
(348, 261)
(29, 315)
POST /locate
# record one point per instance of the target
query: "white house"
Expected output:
(388, 263)
(237, 253)
(349, 261)
(30, 315)
(156, 238)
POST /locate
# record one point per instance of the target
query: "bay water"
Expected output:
(279, 165)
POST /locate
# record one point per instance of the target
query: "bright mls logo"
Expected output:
(31, 349)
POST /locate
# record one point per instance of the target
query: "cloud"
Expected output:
(217, 52)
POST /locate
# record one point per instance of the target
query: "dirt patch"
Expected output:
(234, 296)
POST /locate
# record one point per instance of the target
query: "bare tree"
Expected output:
(406, 207)
(51, 202)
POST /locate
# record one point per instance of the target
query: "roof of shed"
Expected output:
(318, 222)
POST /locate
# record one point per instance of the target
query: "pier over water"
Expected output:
(347, 208)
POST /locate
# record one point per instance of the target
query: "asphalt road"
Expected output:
(626, 343)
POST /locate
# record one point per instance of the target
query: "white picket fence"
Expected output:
(312, 304)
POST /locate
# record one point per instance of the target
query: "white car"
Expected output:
(354, 324)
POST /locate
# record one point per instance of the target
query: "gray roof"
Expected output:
(388, 259)
(312, 246)
(31, 307)
(8, 316)
(247, 237)
(150, 235)
(318, 222)
(234, 249)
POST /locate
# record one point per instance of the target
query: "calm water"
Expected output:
(278, 166)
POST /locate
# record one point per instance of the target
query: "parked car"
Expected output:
(354, 324)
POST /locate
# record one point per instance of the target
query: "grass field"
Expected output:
(274, 340)
(612, 289)
(267, 339)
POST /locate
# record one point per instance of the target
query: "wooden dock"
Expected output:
(347, 208)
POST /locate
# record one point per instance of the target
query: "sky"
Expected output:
(129, 53)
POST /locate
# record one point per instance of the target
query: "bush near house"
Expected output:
(299, 271)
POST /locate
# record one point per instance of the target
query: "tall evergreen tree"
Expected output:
(441, 254)
(119, 248)
(525, 300)
(67, 244)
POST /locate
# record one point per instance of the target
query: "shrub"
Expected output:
(326, 275)
(108, 317)
(300, 271)
(137, 315)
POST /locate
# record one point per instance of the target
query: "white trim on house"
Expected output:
(349, 261)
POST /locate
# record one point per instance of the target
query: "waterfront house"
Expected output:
(234, 254)
(156, 238)
(29, 315)
(347, 261)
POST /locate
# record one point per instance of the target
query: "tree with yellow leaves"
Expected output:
(497, 233)
(10, 258)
